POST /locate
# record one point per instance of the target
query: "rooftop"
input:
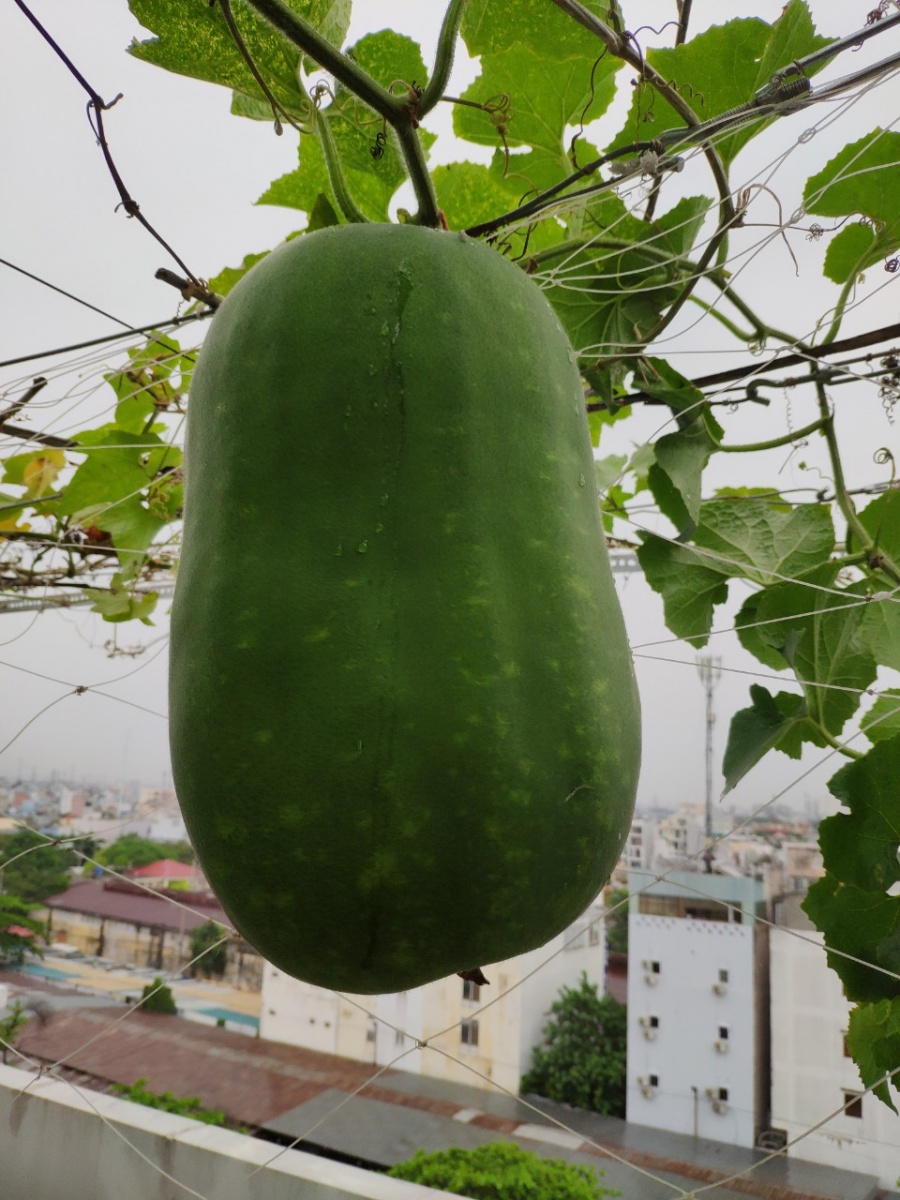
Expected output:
(290, 1092)
(116, 901)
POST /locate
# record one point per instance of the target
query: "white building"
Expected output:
(639, 851)
(470, 1043)
(812, 1073)
(698, 1007)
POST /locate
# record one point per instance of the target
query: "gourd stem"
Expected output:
(443, 59)
(398, 113)
(345, 201)
(414, 156)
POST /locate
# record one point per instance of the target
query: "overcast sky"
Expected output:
(196, 172)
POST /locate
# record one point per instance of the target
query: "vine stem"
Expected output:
(855, 528)
(773, 443)
(619, 44)
(345, 201)
(443, 58)
(396, 111)
(832, 741)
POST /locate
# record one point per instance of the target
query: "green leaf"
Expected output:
(469, 193)
(860, 923)
(487, 27)
(881, 519)
(880, 628)
(772, 722)
(611, 293)
(820, 634)
(675, 477)
(112, 471)
(194, 40)
(873, 1038)
(229, 276)
(882, 721)
(133, 528)
(851, 904)
(762, 540)
(863, 178)
(849, 251)
(681, 457)
(546, 94)
(609, 470)
(390, 58)
(720, 69)
(690, 589)
(120, 604)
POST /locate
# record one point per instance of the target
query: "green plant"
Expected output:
(11, 1023)
(208, 941)
(501, 1171)
(616, 921)
(581, 1060)
(181, 1106)
(157, 997)
(20, 929)
(808, 563)
(413, 632)
(32, 867)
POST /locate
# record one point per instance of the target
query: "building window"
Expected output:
(468, 1033)
(653, 967)
(853, 1104)
(723, 1033)
(471, 991)
(723, 976)
(653, 1080)
(370, 1033)
(723, 1094)
(654, 1022)
(847, 1053)
(399, 1037)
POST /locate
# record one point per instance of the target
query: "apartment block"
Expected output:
(698, 1006)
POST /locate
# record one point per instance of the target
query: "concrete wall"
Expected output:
(811, 1074)
(685, 1051)
(57, 1143)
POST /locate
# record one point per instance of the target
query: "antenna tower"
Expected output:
(710, 672)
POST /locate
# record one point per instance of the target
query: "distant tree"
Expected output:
(18, 913)
(501, 1171)
(182, 852)
(157, 997)
(582, 1058)
(32, 867)
(132, 851)
(617, 922)
(215, 957)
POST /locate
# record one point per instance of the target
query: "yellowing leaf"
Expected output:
(40, 474)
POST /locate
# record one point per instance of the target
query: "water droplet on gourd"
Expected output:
(383, 499)
(340, 550)
(581, 481)
(379, 527)
(363, 546)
